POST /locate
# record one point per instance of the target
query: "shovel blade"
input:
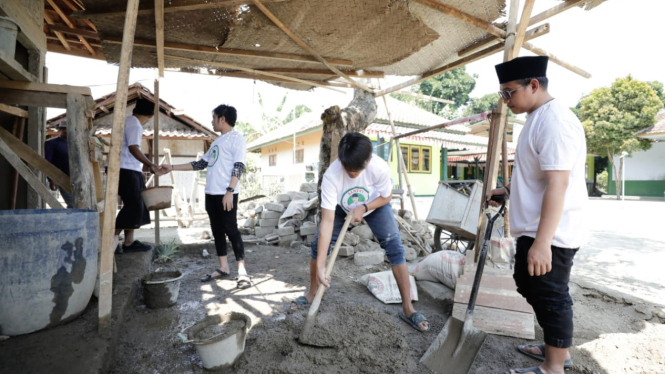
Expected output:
(440, 356)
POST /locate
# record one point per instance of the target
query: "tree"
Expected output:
(658, 87)
(454, 85)
(298, 111)
(612, 115)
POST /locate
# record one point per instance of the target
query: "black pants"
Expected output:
(224, 223)
(548, 294)
(134, 213)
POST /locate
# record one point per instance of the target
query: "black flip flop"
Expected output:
(415, 319)
(210, 277)
(243, 282)
(300, 302)
(534, 369)
(522, 348)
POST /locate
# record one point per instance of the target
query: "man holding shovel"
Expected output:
(548, 198)
(360, 184)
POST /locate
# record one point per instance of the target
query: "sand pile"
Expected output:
(357, 339)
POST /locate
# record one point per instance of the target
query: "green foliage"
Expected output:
(245, 128)
(298, 111)
(601, 180)
(658, 87)
(166, 251)
(252, 183)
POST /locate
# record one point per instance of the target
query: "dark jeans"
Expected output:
(383, 225)
(548, 294)
(224, 223)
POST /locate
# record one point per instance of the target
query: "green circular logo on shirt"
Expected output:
(354, 197)
(214, 155)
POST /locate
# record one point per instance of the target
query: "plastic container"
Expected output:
(156, 198)
(220, 351)
(455, 211)
(161, 289)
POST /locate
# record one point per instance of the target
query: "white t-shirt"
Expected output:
(552, 139)
(225, 151)
(132, 136)
(338, 188)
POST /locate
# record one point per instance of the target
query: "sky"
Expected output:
(615, 39)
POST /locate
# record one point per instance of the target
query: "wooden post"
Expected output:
(117, 132)
(505, 176)
(155, 137)
(81, 175)
(400, 158)
(19, 127)
(159, 40)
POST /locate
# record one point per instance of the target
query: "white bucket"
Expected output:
(8, 32)
(156, 198)
(220, 351)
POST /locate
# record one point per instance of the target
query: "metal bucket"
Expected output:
(8, 32)
(220, 351)
(156, 198)
(163, 291)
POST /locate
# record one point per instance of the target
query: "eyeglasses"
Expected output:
(506, 95)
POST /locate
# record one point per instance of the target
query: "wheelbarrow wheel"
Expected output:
(444, 240)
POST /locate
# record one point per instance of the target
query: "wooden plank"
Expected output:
(14, 111)
(76, 8)
(259, 72)
(73, 41)
(80, 166)
(326, 72)
(494, 298)
(111, 200)
(69, 23)
(556, 60)
(489, 281)
(56, 48)
(31, 35)
(305, 46)
(13, 70)
(523, 24)
(265, 78)
(33, 99)
(168, 8)
(499, 322)
(33, 159)
(28, 175)
(72, 31)
(45, 87)
(492, 40)
(232, 52)
(445, 9)
(540, 17)
(425, 97)
(60, 36)
(159, 36)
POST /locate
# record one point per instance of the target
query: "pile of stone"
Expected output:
(291, 218)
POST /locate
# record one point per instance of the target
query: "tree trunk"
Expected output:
(617, 175)
(337, 122)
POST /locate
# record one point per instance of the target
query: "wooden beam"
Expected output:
(159, 35)
(31, 34)
(61, 37)
(14, 111)
(168, 8)
(33, 159)
(232, 52)
(326, 72)
(57, 48)
(77, 7)
(13, 70)
(111, 199)
(445, 9)
(97, 44)
(492, 40)
(305, 46)
(540, 17)
(45, 87)
(71, 31)
(259, 72)
(155, 155)
(78, 134)
(425, 97)
(28, 175)
(69, 23)
(556, 60)
(32, 98)
(521, 29)
(259, 77)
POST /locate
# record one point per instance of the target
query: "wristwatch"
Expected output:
(230, 189)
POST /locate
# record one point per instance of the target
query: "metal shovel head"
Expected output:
(440, 356)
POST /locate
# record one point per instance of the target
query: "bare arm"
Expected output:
(136, 152)
(325, 237)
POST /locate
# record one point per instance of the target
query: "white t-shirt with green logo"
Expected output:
(338, 188)
(224, 152)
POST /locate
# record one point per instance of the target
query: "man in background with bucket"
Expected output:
(548, 199)
(57, 153)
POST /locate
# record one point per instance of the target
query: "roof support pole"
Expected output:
(118, 128)
(155, 145)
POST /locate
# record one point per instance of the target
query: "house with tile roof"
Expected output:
(290, 154)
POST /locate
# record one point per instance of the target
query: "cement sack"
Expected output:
(296, 209)
(502, 252)
(443, 267)
(384, 286)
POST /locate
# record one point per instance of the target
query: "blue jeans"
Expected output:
(548, 294)
(383, 225)
(69, 199)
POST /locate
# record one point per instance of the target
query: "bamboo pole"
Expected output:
(521, 29)
(159, 37)
(118, 128)
(155, 139)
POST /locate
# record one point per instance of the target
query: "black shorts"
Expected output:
(134, 213)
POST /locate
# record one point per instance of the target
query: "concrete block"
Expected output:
(272, 238)
(291, 194)
(410, 253)
(301, 196)
(366, 245)
(285, 204)
(308, 228)
(249, 222)
(313, 195)
(437, 291)
(275, 207)
(351, 239)
(310, 238)
(258, 209)
(268, 214)
(346, 251)
(368, 258)
(268, 222)
(282, 197)
(283, 231)
(364, 232)
(308, 187)
(261, 232)
(285, 241)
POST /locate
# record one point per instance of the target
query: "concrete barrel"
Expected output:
(8, 32)
(48, 267)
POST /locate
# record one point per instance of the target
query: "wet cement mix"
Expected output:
(227, 328)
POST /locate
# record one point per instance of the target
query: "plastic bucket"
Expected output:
(160, 289)
(220, 351)
(8, 32)
(156, 198)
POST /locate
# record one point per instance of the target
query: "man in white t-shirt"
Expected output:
(547, 204)
(360, 184)
(134, 213)
(225, 163)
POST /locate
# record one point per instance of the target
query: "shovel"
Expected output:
(314, 309)
(455, 348)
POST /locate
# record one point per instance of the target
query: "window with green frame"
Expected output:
(418, 158)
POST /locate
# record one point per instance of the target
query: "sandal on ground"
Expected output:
(210, 277)
(415, 320)
(300, 302)
(534, 369)
(243, 282)
(523, 349)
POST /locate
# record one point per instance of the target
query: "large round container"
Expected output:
(48, 267)
(156, 198)
(161, 289)
(8, 32)
(220, 351)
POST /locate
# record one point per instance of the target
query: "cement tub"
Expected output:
(48, 267)
(157, 198)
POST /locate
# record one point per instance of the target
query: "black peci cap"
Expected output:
(522, 68)
(144, 107)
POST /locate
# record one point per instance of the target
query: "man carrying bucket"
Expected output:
(225, 164)
(548, 198)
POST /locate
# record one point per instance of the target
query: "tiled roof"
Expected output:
(657, 129)
(174, 133)
(444, 139)
(407, 114)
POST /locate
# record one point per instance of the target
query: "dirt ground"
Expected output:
(614, 333)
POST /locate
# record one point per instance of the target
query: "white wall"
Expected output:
(290, 175)
(646, 165)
